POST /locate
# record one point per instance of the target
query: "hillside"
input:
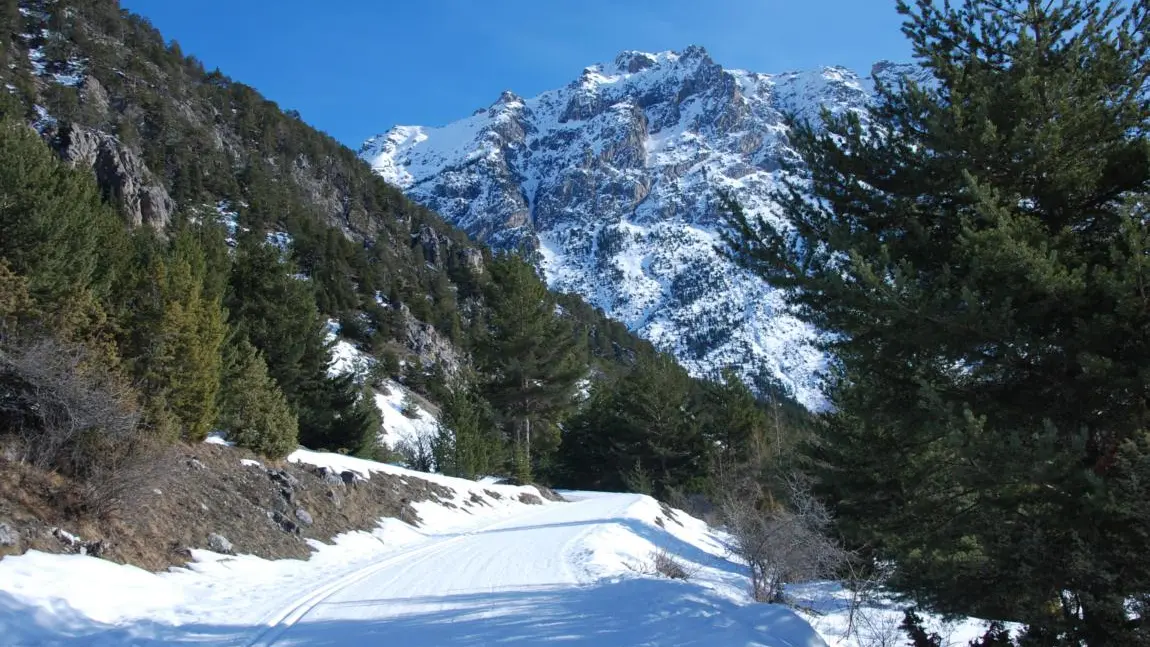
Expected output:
(612, 183)
(167, 139)
(183, 258)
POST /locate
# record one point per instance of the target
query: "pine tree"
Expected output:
(252, 408)
(660, 425)
(55, 223)
(977, 249)
(735, 421)
(644, 421)
(531, 359)
(466, 443)
(185, 360)
(278, 315)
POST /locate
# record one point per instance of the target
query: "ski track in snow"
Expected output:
(502, 573)
(489, 569)
(527, 580)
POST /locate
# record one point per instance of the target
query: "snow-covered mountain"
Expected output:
(613, 179)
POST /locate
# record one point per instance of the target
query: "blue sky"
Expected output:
(355, 68)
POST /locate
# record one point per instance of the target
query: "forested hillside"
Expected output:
(175, 245)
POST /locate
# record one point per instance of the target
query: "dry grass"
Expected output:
(205, 490)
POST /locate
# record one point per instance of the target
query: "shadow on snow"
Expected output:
(618, 613)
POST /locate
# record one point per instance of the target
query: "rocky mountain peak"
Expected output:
(630, 62)
(611, 183)
(508, 98)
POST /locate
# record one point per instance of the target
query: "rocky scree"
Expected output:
(207, 498)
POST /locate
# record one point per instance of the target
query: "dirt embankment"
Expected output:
(207, 496)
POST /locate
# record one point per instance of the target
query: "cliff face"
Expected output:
(613, 181)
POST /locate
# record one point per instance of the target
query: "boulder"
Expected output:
(219, 544)
(304, 517)
(8, 536)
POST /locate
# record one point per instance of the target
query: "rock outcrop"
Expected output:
(121, 174)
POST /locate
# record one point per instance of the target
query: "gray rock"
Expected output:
(284, 477)
(8, 536)
(120, 172)
(473, 259)
(94, 96)
(284, 523)
(195, 463)
(304, 517)
(94, 548)
(218, 543)
(432, 347)
(329, 477)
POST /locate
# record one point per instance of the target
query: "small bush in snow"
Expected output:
(668, 566)
(662, 562)
(781, 543)
(409, 408)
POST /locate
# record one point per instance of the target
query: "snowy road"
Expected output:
(524, 581)
(483, 568)
(459, 590)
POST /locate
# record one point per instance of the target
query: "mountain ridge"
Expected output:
(610, 182)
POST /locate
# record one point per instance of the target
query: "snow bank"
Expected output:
(48, 599)
(483, 568)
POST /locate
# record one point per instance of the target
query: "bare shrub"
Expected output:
(662, 562)
(417, 453)
(781, 543)
(866, 624)
(871, 627)
(68, 416)
(668, 565)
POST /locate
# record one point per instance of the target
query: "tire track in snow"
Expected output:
(279, 623)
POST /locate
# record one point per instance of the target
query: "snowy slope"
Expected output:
(503, 572)
(398, 429)
(612, 179)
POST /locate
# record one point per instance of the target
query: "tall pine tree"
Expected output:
(978, 249)
(253, 410)
(532, 360)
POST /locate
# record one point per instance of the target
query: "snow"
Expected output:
(280, 240)
(398, 429)
(227, 216)
(346, 358)
(487, 569)
(635, 149)
(219, 438)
